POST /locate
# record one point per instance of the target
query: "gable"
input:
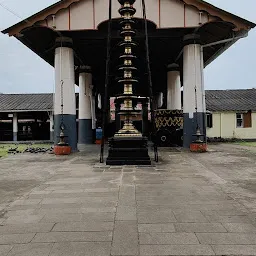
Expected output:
(89, 14)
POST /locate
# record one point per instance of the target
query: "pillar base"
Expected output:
(15, 136)
(198, 147)
(190, 124)
(85, 133)
(70, 130)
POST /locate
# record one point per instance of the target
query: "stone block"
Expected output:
(16, 238)
(125, 240)
(126, 213)
(31, 250)
(83, 226)
(199, 227)
(226, 238)
(158, 228)
(240, 227)
(160, 216)
(26, 228)
(189, 216)
(81, 249)
(198, 250)
(55, 237)
(233, 250)
(168, 238)
(4, 249)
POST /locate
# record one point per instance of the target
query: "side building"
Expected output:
(29, 117)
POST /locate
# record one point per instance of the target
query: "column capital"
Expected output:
(64, 42)
(173, 67)
(85, 69)
(191, 39)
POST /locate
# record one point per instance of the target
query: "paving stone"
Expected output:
(22, 219)
(16, 238)
(26, 228)
(125, 240)
(200, 250)
(26, 202)
(97, 210)
(159, 228)
(126, 213)
(228, 219)
(55, 237)
(4, 249)
(161, 216)
(31, 250)
(226, 238)
(168, 238)
(189, 216)
(240, 227)
(62, 217)
(239, 250)
(199, 227)
(81, 249)
(83, 226)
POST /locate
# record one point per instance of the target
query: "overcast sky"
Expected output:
(22, 71)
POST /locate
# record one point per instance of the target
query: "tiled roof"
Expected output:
(231, 100)
(26, 102)
(216, 100)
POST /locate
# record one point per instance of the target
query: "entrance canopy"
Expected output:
(85, 21)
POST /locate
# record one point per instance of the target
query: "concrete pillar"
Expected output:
(15, 126)
(173, 87)
(65, 92)
(193, 90)
(93, 109)
(145, 118)
(85, 113)
(51, 127)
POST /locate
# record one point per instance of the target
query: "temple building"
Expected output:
(184, 37)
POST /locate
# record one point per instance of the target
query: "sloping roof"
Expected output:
(26, 102)
(231, 100)
(62, 4)
(216, 101)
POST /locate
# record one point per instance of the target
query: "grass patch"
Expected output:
(4, 148)
(247, 144)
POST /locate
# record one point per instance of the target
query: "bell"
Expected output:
(198, 135)
(62, 137)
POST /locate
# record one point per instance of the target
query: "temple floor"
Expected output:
(187, 204)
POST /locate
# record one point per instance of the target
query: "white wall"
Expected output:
(224, 126)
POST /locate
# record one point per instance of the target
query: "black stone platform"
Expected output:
(128, 151)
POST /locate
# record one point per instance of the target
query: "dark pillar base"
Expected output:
(128, 151)
(70, 130)
(190, 126)
(15, 136)
(85, 134)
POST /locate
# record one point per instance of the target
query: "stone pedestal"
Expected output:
(128, 151)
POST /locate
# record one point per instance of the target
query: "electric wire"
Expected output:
(152, 101)
(106, 81)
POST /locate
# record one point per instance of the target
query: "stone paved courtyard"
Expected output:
(187, 204)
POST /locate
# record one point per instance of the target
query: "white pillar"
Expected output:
(173, 87)
(15, 126)
(51, 126)
(65, 92)
(193, 89)
(85, 110)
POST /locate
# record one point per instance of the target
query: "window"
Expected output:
(247, 119)
(209, 120)
(239, 120)
(244, 120)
